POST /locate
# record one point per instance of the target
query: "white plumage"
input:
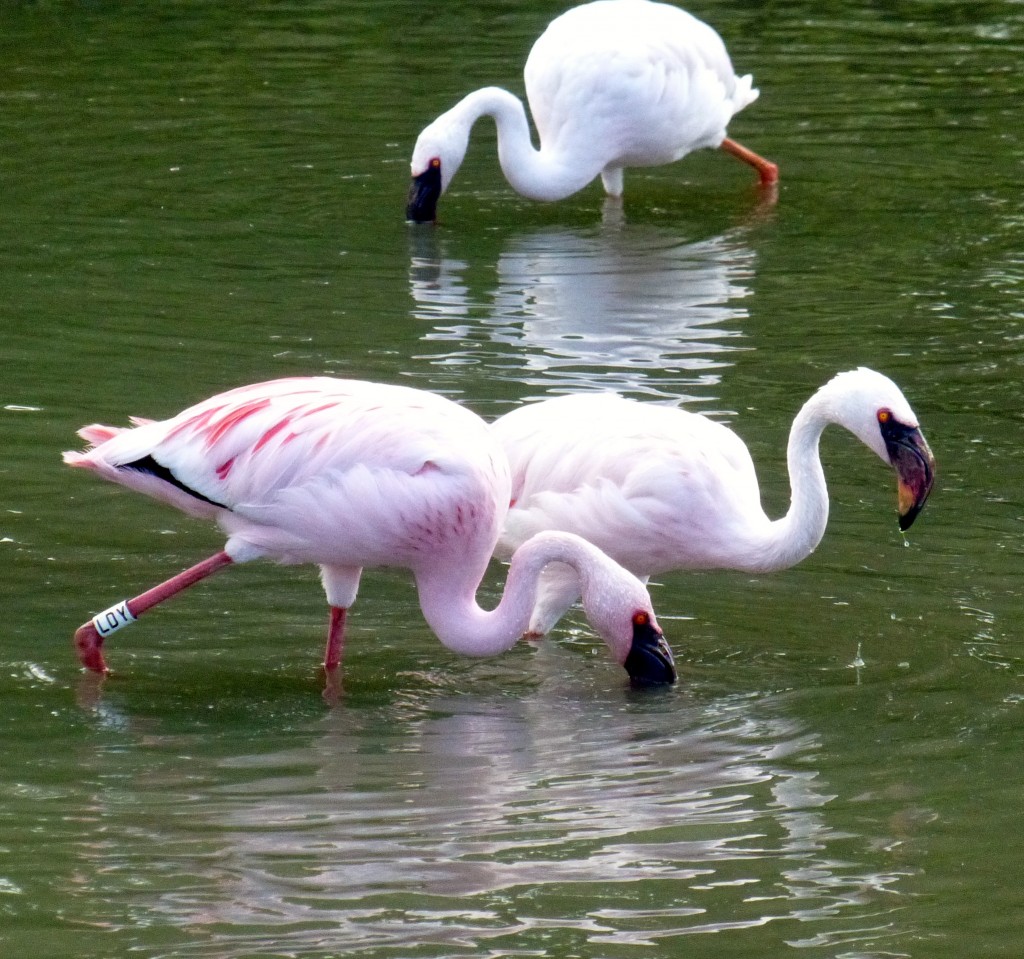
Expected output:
(611, 84)
(659, 488)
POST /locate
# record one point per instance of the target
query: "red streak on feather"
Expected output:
(195, 423)
(271, 433)
(233, 418)
(225, 468)
(313, 410)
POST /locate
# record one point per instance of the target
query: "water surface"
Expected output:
(198, 196)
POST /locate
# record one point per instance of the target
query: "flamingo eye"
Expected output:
(435, 163)
(884, 416)
(641, 619)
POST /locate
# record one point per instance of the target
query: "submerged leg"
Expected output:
(341, 583)
(766, 170)
(89, 636)
(335, 638)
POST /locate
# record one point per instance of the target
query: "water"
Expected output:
(197, 196)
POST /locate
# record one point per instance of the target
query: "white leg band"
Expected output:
(111, 620)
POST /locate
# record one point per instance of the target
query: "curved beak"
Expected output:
(424, 193)
(650, 661)
(915, 468)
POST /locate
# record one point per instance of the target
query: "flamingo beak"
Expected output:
(915, 468)
(424, 193)
(650, 661)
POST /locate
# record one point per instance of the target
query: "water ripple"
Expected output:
(476, 820)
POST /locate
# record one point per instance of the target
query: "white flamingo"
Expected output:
(347, 474)
(658, 488)
(611, 84)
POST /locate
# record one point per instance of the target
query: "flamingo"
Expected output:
(658, 488)
(611, 84)
(347, 474)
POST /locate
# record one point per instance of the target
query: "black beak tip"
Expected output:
(415, 213)
(907, 519)
(424, 192)
(650, 663)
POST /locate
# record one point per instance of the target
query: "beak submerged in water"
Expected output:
(424, 193)
(914, 464)
(650, 661)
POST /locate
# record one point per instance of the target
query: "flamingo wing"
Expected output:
(655, 487)
(643, 82)
(317, 469)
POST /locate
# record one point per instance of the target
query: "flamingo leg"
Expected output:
(766, 170)
(89, 636)
(335, 638)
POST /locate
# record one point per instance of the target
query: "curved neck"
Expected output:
(448, 598)
(783, 542)
(541, 174)
(795, 536)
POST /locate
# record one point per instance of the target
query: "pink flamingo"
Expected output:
(622, 473)
(347, 474)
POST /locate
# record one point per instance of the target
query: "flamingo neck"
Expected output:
(448, 599)
(796, 535)
(545, 174)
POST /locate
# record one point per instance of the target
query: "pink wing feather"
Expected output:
(283, 465)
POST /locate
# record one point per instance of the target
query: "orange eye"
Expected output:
(435, 163)
(884, 416)
(641, 619)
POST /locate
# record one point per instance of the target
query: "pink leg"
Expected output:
(766, 170)
(89, 636)
(335, 639)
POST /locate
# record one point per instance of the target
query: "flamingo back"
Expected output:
(322, 470)
(655, 487)
(647, 81)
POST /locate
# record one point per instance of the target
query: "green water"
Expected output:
(198, 195)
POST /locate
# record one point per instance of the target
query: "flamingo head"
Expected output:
(619, 608)
(875, 410)
(649, 661)
(436, 158)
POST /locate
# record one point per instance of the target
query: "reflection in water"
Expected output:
(466, 820)
(623, 307)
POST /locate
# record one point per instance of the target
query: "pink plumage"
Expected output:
(659, 488)
(347, 474)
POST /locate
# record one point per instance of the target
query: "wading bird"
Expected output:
(611, 84)
(658, 488)
(347, 474)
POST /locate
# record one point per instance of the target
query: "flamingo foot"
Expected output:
(332, 686)
(89, 691)
(89, 636)
(87, 643)
(769, 173)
